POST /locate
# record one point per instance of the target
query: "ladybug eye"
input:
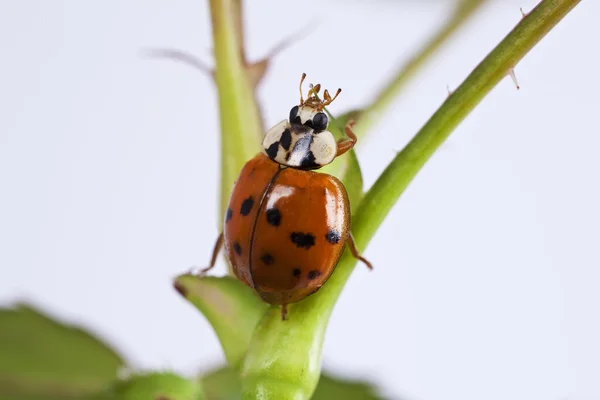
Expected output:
(293, 114)
(320, 121)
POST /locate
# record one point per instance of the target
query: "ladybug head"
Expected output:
(303, 142)
(310, 111)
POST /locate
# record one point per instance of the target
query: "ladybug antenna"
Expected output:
(301, 81)
(315, 89)
(313, 99)
(322, 107)
(327, 100)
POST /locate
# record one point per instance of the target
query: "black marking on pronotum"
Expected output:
(267, 258)
(273, 216)
(237, 248)
(228, 214)
(333, 236)
(247, 206)
(313, 275)
(308, 161)
(302, 146)
(297, 272)
(302, 240)
(286, 139)
(309, 123)
(299, 129)
(293, 114)
(272, 150)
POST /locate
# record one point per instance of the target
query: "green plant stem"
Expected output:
(393, 181)
(239, 114)
(283, 359)
(370, 115)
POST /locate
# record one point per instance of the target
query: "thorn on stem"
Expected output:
(449, 91)
(511, 72)
(523, 14)
(258, 69)
(295, 37)
(180, 56)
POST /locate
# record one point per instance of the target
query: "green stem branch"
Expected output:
(393, 181)
(371, 114)
(283, 359)
(239, 114)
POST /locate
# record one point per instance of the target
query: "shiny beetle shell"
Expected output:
(285, 229)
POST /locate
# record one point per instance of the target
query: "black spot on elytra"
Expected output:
(333, 236)
(237, 248)
(313, 275)
(267, 258)
(296, 272)
(228, 215)
(303, 240)
(272, 150)
(286, 139)
(247, 206)
(273, 216)
(308, 161)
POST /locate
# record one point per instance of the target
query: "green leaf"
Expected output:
(232, 308)
(42, 358)
(223, 384)
(156, 386)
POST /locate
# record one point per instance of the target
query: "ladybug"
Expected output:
(286, 225)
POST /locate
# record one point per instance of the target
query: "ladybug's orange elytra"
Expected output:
(286, 225)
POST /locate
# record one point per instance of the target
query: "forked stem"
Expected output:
(290, 369)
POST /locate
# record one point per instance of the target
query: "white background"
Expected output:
(486, 272)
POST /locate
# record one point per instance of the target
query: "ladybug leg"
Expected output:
(283, 312)
(346, 144)
(213, 260)
(355, 252)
